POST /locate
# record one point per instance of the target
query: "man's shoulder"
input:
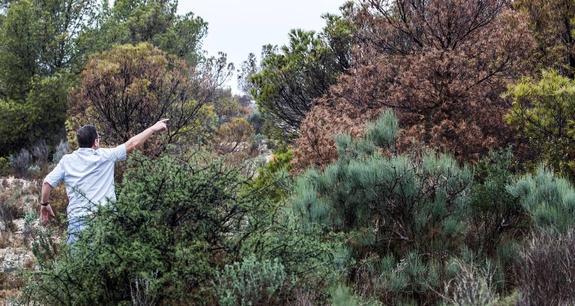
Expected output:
(66, 157)
(114, 153)
(105, 152)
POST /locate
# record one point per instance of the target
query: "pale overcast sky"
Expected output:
(238, 27)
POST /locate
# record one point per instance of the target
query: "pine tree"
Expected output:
(409, 210)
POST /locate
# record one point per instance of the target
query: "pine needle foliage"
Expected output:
(549, 199)
(396, 201)
(252, 282)
(406, 212)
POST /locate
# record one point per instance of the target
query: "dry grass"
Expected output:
(472, 286)
(8, 294)
(10, 286)
(10, 281)
(29, 263)
(20, 196)
(5, 239)
(304, 298)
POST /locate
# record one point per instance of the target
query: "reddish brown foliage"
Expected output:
(442, 65)
(130, 87)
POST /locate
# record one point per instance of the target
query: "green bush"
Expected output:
(15, 125)
(344, 296)
(498, 221)
(4, 166)
(277, 233)
(273, 179)
(313, 259)
(387, 204)
(412, 212)
(252, 282)
(173, 225)
(40, 117)
(550, 200)
(542, 112)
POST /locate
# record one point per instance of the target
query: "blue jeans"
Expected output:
(75, 227)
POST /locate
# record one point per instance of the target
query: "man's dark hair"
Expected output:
(86, 136)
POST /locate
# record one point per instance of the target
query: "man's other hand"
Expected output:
(161, 125)
(46, 213)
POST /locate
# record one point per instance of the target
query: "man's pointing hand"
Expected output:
(161, 125)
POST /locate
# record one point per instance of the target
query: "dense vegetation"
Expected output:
(422, 154)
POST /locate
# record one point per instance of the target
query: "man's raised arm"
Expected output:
(139, 139)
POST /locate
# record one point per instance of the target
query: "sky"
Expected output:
(240, 27)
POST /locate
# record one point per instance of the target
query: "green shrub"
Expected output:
(384, 203)
(252, 282)
(40, 116)
(410, 211)
(550, 200)
(498, 221)
(272, 178)
(344, 296)
(16, 120)
(313, 259)
(173, 225)
(4, 166)
(542, 112)
(29, 230)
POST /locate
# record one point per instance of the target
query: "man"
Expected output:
(88, 174)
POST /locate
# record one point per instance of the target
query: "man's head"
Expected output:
(88, 137)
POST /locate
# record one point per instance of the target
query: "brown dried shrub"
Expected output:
(441, 65)
(10, 281)
(128, 88)
(8, 212)
(547, 270)
(5, 240)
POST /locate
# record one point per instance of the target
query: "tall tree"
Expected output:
(19, 50)
(442, 65)
(40, 38)
(61, 23)
(156, 22)
(552, 22)
(291, 77)
(126, 89)
(38, 50)
(152, 21)
(543, 112)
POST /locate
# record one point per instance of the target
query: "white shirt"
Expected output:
(89, 178)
